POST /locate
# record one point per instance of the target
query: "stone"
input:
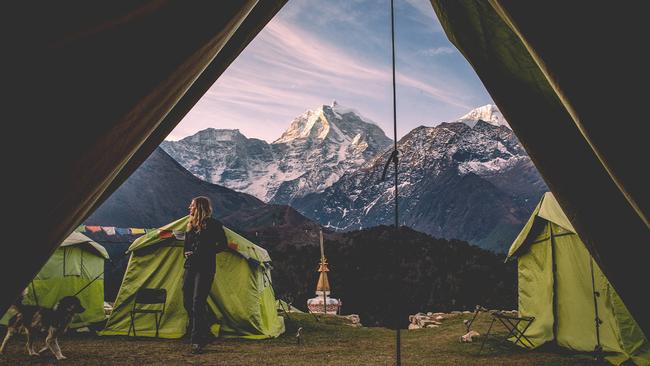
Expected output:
(467, 338)
(354, 319)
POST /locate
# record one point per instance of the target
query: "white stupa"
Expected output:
(322, 303)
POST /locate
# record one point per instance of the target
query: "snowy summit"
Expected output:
(488, 113)
(317, 148)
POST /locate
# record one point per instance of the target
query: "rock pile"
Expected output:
(428, 320)
(354, 319)
(434, 320)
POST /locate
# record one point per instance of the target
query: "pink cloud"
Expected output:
(286, 70)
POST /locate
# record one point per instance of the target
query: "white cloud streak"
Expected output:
(436, 51)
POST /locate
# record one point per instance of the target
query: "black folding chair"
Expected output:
(511, 323)
(148, 297)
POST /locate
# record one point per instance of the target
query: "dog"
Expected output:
(38, 320)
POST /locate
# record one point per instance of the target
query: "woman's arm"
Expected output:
(188, 244)
(222, 241)
(219, 236)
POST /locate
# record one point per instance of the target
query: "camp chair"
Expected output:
(511, 323)
(148, 296)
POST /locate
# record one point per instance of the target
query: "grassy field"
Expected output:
(326, 341)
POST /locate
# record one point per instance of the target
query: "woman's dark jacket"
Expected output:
(205, 244)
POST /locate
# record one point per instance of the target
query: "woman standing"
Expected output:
(204, 238)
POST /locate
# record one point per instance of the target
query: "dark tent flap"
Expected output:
(100, 84)
(569, 100)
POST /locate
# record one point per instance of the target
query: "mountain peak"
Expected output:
(211, 135)
(310, 124)
(328, 122)
(318, 147)
(488, 113)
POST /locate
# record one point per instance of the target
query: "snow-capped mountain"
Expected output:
(469, 179)
(473, 183)
(318, 147)
(488, 113)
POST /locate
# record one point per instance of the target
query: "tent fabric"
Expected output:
(73, 266)
(555, 287)
(236, 242)
(142, 64)
(570, 101)
(76, 238)
(549, 210)
(242, 300)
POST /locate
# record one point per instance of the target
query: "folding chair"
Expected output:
(511, 323)
(148, 297)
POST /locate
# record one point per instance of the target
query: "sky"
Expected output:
(314, 52)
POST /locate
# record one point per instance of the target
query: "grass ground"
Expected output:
(325, 342)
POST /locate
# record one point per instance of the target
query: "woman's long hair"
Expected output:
(201, 213)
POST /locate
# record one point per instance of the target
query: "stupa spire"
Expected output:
(322, 303)
(323, 284)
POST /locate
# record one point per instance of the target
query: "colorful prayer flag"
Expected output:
(122, 231)
(234, 246)
(94, 229)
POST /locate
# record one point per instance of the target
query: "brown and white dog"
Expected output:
(37, 320)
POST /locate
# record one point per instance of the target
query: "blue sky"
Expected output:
(316, 51)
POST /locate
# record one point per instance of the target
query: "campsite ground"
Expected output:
(327, 342)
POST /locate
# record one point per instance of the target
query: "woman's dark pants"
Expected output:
(196, 287)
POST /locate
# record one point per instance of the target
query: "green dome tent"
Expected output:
(563, 288)
(75, 264)
(242, 298)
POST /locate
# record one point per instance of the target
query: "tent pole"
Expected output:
(90, 283)
(598, 349)
(398, 356)
(110, 261)
(554, 267)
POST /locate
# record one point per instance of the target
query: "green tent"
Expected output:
(563, 287)
(75, 264)
(242, 298)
